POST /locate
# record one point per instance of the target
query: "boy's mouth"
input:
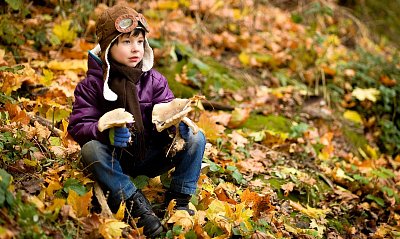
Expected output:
(133, 58)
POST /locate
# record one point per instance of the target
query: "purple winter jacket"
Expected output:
(90, 104)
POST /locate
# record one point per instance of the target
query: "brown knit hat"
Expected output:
(114, 21)
(106, 27)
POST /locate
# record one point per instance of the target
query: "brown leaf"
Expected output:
(237, 139)
(287, 188)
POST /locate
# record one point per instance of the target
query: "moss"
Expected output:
(220, 76)
(356, 140)
(275, 123)
(179, 90)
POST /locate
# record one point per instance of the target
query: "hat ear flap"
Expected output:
(148, 56)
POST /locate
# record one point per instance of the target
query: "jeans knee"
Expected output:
(196, 142)
(200, 139)
(90, 149)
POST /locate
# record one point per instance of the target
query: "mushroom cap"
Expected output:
(165, 115)
(115, 118)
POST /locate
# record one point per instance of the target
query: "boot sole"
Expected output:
(157, 232)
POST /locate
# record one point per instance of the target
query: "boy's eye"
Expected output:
(126, 41)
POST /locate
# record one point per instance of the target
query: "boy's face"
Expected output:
(129, 50)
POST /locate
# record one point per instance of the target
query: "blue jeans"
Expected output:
(112, 168)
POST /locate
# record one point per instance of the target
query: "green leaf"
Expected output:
(378, 200)
(74, 184)
(388, 191)
(13, 69)
(5, 180)
(191, 235)
(383, 173)
(15, 4)
(296, 18)
(141, 181)
(215, 167)
(297, 130)
(177, 229)
(203, 68)
(361, 179)
(55, 141)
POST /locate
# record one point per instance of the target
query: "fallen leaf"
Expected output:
(239, 117)
(353, 116)
(287, 188)
(80, 204)
(366, 94)
(112, 228)
(65, 32)
(182, 218)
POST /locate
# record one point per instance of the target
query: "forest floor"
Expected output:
(300, 115)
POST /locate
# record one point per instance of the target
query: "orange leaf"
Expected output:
(80, 204)
(222, 195)
(17, 114)
(239, 117)
(209, 126)
(387, 81)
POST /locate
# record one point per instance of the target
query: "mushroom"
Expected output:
(165, 115)
(115, 118)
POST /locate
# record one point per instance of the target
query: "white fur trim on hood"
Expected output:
(148, 61)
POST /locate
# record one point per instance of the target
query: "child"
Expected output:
(123, 78)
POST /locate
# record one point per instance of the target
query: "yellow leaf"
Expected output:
(64, 31)
(258, 135)
(216, 210)
(68, 65)
(363, 94)
(121, 211)
(243, 214)
(341, 174)
(309, 211)
(57, 205)
(112, 228)
(167, 5)
(244, 58)
(80, 204)
(353, 116)
(47, 77)
(38, 203)
(237, 14)
(372, 152)
(320, 228)
(182, 218)
(53, 186)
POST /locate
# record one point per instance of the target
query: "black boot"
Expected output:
(138, 206)
(182, 201)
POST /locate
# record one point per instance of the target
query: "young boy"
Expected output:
(123, 78)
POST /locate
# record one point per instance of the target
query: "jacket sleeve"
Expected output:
(161, 91)
(86, 113)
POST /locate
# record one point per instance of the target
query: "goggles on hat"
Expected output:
(127, 22)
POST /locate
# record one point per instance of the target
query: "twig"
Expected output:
(212, 105)
(46, 123)
(105, 209)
